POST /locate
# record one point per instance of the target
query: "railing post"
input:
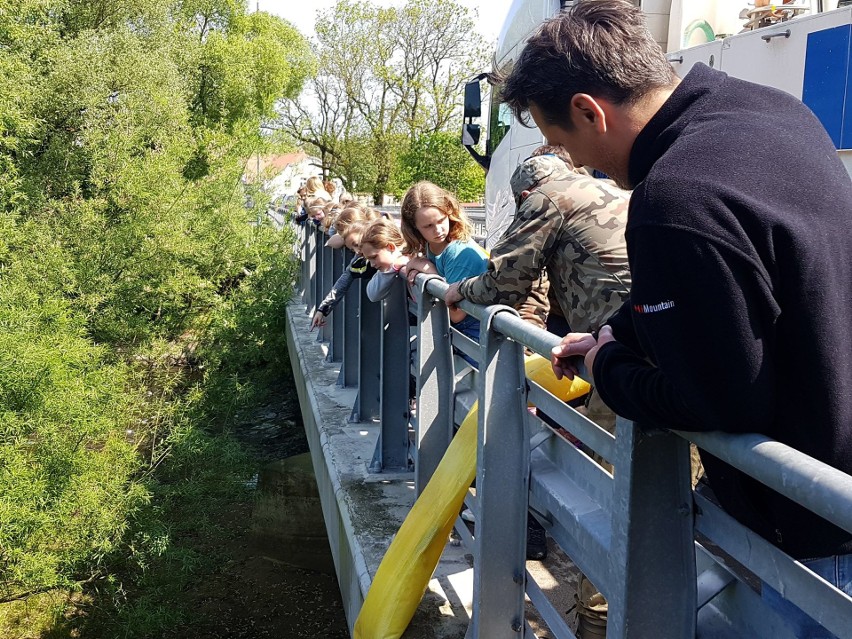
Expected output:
(392, 447)
(434, 384)
(309, 294)
(327, 281)
(653, 553)
(351, 338)
(319, 294)
(502, 487)
(369, 358)
(301, 251)
(335, 350)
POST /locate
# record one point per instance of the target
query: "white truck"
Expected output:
(803, 48)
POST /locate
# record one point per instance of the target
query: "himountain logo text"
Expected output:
(653, 308)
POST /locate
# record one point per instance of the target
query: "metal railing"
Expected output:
(631, 532)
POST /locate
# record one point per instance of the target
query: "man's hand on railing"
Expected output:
(453, 296)
(605, 336)
(563, 358)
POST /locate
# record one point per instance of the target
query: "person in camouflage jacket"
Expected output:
(573, 226)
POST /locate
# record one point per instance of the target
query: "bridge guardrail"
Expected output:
(632, 532)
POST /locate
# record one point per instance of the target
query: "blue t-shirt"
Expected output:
(460, 260)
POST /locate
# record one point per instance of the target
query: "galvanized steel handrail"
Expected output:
(536, 339)
(806, 480)
(819, 487)
(644, 525)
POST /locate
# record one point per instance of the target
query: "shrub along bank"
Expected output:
(140, 307)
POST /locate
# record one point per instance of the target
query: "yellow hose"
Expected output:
(407, 566)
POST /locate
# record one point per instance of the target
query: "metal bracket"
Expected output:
(492, 311)
(420, 282)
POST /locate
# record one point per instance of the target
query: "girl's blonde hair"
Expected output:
(367, 213)
(381, 232)
(312, 185)
(332, 212)
(426, 194)
(314, 203)
(355, 228)
(349, 215)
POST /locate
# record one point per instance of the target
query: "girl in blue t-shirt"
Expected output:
(438, 237)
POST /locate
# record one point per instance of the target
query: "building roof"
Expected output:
(272, 165)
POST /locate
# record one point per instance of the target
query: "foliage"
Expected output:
(385, 76)
(440, 158)
(245, 70)
(66, 462)
(140, 301)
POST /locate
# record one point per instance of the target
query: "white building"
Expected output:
(282, 175)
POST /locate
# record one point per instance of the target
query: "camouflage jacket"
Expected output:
(572, 225)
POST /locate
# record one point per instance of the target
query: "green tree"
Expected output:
(126, 257)
(440, 158)
(243, 71)
(357, 48)
(327, 129)
(383, 75)
(438, 50)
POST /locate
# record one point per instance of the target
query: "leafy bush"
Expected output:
(67, 464)
(139, 299)
(440, 158)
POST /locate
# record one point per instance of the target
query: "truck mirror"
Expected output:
(472, 100)
(470, 134)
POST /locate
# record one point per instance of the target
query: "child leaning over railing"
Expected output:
(382, 245)
(357, 268)
(438, 236)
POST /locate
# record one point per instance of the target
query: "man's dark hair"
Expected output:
(598, 47)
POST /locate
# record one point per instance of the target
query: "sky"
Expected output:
(302, 13)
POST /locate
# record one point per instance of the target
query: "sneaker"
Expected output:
(467, 515)
(536, 540)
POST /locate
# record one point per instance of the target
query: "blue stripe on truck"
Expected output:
(827, 89)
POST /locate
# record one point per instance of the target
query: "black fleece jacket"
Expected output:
(739, 238)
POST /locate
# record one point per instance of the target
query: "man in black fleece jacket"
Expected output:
(739, 239)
